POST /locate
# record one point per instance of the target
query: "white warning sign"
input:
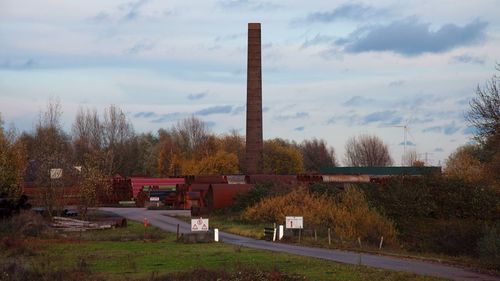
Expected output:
(294, 222)
(199, 224)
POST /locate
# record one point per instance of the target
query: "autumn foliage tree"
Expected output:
(464, 164)
(281, 158)
(13, 162)
(219, 163)
(93, 181)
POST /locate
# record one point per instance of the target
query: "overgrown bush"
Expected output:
(438, 213)
(15, 230)
(348, 214)
(330, 189)
(488, 245)
(452, 237)
(439, 197)
(260, 191)
(27, 223)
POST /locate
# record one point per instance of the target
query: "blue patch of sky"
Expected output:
(238, 110)
(470, 131)
(408, 143)
(297, 115)
(169, 117)
(433, 129)
(317, 40)
(397, 83)
(145, 114)
(381, 116)
(348, 11)
(219, 109)
(451, 129)
(299, 129)
(197, 96)
(465, 58)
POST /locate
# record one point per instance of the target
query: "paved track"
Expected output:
(162, 221)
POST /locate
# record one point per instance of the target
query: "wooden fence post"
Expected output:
(329, 237)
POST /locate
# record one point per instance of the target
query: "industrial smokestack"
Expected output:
(254, 142)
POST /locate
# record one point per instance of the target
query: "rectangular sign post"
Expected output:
(199, 224)
(294, 222)
(55, 173)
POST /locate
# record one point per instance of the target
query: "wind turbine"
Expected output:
(406, 132)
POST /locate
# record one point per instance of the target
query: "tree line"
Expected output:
(104, 145)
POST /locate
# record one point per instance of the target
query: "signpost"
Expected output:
(55, 173)
(199, 224)
(294, 222)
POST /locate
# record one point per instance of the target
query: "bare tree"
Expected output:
(116, 128)
(87, 133)
(190, 133)
(51, 149)
(367, 151)
(411, 158)
(484, 113)
(316, 155)
(119, 142)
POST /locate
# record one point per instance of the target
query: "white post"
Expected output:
(216, 235)
(281, 232)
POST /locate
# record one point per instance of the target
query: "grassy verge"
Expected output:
(123, 254)
(233, 225)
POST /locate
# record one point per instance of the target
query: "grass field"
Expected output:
(123, 254)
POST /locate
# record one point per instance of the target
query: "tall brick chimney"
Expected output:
(254, 142)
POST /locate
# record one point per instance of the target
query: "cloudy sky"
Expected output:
(331, 69)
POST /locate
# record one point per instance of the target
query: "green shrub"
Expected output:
(439, 197)
(329, 189)
(260, 191)
(488, 245)
(452, 237)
